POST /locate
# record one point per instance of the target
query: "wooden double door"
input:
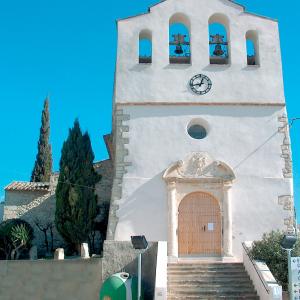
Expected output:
(199, 226)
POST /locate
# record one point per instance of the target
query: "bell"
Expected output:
(218, 50)
(178, 49)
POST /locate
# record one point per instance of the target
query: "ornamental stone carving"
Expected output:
(199, 166)
(195, 165)
(198, 172)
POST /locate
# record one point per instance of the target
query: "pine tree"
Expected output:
(75, 193)
(43, 164)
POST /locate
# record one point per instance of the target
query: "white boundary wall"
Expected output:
(161, 272)
(262, 278)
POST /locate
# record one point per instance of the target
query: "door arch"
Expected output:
(199, 225)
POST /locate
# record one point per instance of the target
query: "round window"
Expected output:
(197, 132)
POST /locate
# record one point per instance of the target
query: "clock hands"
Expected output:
(199, 84)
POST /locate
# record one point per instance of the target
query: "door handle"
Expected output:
(204, 228)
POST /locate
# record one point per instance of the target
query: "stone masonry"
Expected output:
(120, 164)
(35, 202)
(286, 146)
(286, 201)
(35, 207)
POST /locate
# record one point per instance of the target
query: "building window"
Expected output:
(197, 131)
(252, 48)
(219, 47)
(145, 47)
(179, 39)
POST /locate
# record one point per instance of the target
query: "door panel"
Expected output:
(199, 225)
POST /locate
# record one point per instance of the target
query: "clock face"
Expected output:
(200, 84)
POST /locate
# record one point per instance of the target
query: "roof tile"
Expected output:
(28, 186)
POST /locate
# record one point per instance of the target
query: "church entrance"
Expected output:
(199, 226)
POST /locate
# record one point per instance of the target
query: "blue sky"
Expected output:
(67, 49)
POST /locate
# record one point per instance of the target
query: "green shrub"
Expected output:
(15, 238)
(270, 251)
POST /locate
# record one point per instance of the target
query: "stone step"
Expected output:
(206, 265)
(225, 297)
(214, 279)
(208, 277)
(206, 272)
(206, 268)
(201, 281)
(209, 281)
(220, 296)
(212, 294)
(213, 289)
(229, 271)
(212, 286)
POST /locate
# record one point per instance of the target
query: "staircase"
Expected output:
(209, 281)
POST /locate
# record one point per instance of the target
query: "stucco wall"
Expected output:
(165, 82)
(17, 198)
(50, 280)
(248, 139)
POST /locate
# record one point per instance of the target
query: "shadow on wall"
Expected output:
(44, 214)
(230, 111)
(41, 216)
(149, 260)
(144, 212)
(120, 256)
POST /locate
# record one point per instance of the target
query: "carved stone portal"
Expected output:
(199, 172)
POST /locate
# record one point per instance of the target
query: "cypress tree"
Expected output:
(76, 201)
(43, 164)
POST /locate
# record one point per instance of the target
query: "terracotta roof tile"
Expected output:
(28, 186)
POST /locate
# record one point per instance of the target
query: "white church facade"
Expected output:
(200, 131)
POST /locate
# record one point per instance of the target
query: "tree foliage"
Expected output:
(100, 227)
(270, 251)
(45, 226)
(76, 201)
(43, 164)
(16, 237)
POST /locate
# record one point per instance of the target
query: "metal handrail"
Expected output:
(256, 269)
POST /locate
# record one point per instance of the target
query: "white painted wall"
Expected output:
(245, 138)
(162, 82)
(264, 282)
(161, 284)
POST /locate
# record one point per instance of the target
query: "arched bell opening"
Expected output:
(219, 42)
(179, 39)
(145, 47)
(252, 48)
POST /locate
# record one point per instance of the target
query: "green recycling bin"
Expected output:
(120, 286)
